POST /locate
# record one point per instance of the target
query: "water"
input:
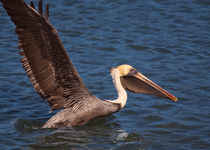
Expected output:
(168, 41)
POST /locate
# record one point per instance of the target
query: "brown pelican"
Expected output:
(54, 77)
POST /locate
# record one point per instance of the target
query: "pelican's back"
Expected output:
(93, 108)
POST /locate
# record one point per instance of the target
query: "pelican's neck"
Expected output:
(122, 94)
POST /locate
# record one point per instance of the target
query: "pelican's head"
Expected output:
(134, 81)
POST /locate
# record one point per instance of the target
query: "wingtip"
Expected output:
(47, 13)
(40, 8)
(32, 5)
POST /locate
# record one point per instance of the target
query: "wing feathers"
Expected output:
(32, 5)
(47, 13)
(40, 8)
(44, 57)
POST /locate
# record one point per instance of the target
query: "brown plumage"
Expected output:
(47, 64)
(44, 57)
(51, 71)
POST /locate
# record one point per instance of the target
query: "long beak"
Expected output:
(138, 83)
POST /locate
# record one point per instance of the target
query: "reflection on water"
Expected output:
(93, 135)
(168, 41)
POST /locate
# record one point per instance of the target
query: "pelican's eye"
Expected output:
(132, 71)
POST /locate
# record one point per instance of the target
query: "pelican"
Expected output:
(55, 78)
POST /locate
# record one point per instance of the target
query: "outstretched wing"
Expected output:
(44, 58)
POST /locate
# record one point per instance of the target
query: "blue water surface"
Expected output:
(168, 41)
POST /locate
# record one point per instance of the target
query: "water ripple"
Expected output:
(168, 41)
